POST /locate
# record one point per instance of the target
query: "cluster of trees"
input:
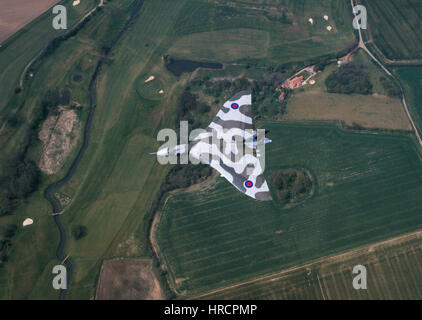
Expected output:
(6, 236)
(52, 99)
(183, 176)
(18, 178)
(390, 87)
(218, 88)
(264, 93)
(190, 109)
(348, 79)
(291, 184)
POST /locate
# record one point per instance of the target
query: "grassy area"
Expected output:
(19, 49)
(117, 178)
(237, 30)
(395, 27)
(392, 269)
(367, 190)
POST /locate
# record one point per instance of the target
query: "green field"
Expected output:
(367, 189)
(33, 253)
(395, 25)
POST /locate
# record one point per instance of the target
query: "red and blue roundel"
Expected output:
(248, 184)
(235, 106)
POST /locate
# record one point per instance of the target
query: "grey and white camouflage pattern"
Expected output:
(223, 146)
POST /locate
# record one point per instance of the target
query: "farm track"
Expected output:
(50, 190)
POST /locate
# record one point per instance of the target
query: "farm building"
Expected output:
(294, 83)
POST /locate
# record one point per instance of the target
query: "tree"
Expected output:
(9, 231)
(5, 204)
(79, 231)
(351, 78)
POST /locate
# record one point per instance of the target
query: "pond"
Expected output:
(177, 67)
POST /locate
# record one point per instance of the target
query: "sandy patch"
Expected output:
(311, 21)
(149, 79)
(329, 28)
(76, 2)
(325, 17)
(27, 222)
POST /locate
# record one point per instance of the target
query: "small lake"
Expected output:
(177, 67)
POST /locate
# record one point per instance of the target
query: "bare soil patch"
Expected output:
(59, 135)
(128, 279)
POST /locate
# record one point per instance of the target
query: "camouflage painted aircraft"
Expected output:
(231, 146)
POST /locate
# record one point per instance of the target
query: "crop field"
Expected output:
(395, 27)
(392, 268)
(367, 188)
(279, 32)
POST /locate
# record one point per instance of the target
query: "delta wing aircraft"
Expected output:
(231, 146)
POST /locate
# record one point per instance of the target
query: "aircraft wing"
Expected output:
(222, 147)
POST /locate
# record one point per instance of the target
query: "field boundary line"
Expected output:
(320, 287)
